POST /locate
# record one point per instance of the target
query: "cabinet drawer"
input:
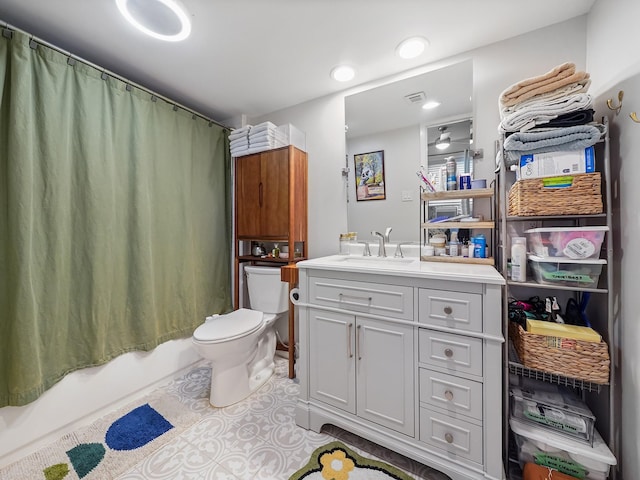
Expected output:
(379, 299)
(456, 353)
(451, 309)
(451, 434)
(454, 394)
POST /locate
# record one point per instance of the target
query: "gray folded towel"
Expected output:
(543, 140)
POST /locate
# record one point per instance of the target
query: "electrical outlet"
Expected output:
(407, 196)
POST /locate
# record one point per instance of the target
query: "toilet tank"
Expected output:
(267, 293)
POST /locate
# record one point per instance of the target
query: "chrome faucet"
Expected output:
(381, 238)
(387, 233)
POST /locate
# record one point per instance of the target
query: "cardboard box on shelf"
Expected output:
(550, 164)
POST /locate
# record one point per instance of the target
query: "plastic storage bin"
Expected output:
(293, 136)
(578, 243)
(566, 271)
(566, 455)
(553, 408)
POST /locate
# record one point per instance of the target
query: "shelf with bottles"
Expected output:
(456, 224)
(270, 251)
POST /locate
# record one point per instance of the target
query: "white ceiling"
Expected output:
(258, 56)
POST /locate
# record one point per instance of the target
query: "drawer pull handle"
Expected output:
(448, 394)
(349, 351)
(448, 353)
(355, 304)
(358, 342)
(448, 310)
(448, 437)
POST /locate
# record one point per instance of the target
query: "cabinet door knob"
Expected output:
(448, 310)
(448, 437)
(448, 353)
(448, 394)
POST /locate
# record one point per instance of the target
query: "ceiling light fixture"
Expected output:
(412, 47)
(443, 142)
(430, 105)
(162, 19)
(343, 73)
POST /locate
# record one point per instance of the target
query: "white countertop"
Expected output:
(406, 267)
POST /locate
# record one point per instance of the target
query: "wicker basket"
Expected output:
(530, 197)
(587, 361)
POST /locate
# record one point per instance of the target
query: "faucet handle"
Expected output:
(387, 233)
(366, 252)
(398, 253)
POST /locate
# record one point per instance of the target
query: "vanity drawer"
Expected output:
(456, 353)
(462, 311)
(453, 435)
(378, 299)
(454, 394)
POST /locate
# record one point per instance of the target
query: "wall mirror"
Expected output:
(391, 119)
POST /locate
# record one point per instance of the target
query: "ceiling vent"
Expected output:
(418, 97)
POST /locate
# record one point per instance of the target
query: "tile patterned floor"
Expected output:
(256, 439)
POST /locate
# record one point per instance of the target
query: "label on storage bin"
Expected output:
(563, 465)
(564, 276)
(557, 182)
(560, 342)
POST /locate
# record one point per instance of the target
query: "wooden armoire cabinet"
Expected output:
(271, 207)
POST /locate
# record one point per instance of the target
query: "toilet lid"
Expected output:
(226, 327)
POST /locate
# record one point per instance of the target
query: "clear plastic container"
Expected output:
(578, 243)
(555, 409)
(566, 455)
(566, 272)
(519, 259)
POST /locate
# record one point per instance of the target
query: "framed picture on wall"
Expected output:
(369, 175)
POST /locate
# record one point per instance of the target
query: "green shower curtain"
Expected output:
(114, 219)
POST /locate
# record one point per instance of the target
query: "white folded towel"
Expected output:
(269, 135)
(542, 111)
(239, 133)
(239, 141)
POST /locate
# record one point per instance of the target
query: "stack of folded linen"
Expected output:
(547, 113)
(239, 141)
(257, 138)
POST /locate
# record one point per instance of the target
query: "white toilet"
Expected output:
(241, 344)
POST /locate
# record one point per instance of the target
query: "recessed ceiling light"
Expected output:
(343, 73)
(430, 105)
(162, 19)
(412, 47)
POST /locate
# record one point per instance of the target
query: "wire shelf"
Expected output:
(516, 368)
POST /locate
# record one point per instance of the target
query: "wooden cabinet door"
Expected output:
(262, 195)
(274, 216)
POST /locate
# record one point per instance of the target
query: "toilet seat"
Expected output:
(237, 324)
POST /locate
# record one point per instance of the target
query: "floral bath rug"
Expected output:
(111, 445)
(335, 461)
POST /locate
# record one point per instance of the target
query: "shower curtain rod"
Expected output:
(110, 73)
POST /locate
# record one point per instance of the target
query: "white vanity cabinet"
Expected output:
(407, 355)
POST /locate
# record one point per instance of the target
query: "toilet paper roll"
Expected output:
(294, 295)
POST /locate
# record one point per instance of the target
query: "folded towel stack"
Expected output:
(549, 112)
(253, 139)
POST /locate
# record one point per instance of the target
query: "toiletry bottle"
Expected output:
(344, 243)
(454, 244)
(519, 259)
(480, 246)
(276, 251)
(452, 179)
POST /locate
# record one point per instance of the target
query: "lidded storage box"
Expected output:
(578, 243)
(553, 408)
(566, 271)
(558, 452)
